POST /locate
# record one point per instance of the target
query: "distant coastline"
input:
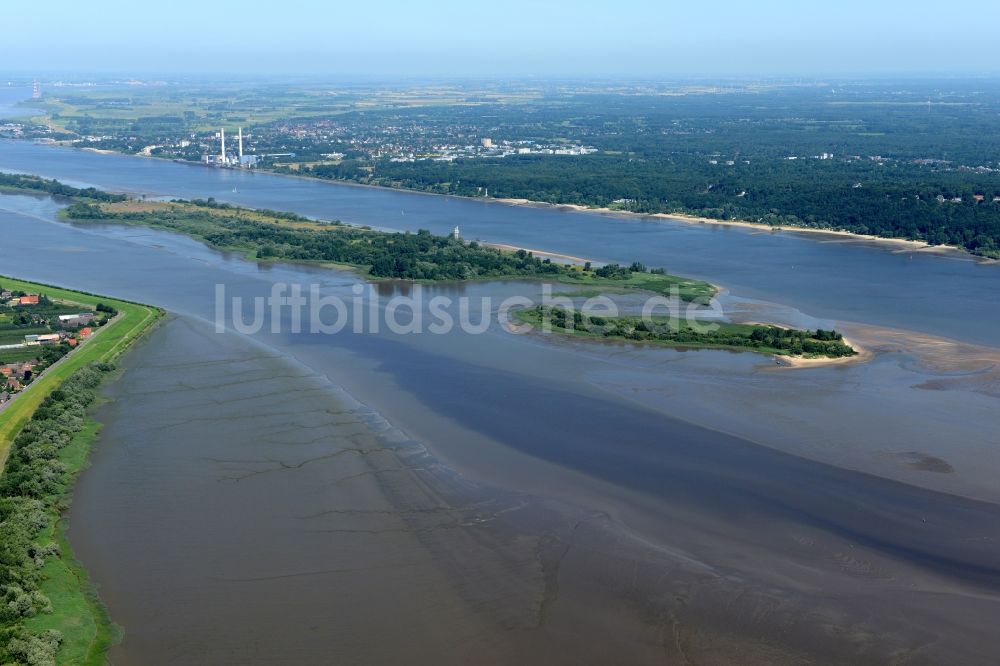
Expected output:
(901, 244)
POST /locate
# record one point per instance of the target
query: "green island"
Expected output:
(764, 339)
(911, 159)
(50, 614)
(272, 236)
(268, 235)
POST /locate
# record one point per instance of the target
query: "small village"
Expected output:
(36, 332)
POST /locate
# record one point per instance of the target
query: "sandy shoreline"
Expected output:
(746, 568)
(787, 362)
(901, 244)
(863, 356)
(100, 151)
(540, 253)
(783, 361)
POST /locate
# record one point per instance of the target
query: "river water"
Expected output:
(285, 497)
(834, 278)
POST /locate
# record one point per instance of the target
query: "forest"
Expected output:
(822, 195)
(419, 256)
(919, 163)
(21, 182)
(914, 159)
(32, 488)
(760, 338)
(271, 236)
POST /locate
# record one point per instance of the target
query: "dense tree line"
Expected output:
(419, 256)
(763, 338)
(897, 201)
(37, 184)
(31, 496)
(738, 156)
(722, 150)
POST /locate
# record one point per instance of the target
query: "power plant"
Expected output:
(224, 160)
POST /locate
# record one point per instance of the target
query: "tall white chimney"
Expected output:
(241, 143)
(222, 154)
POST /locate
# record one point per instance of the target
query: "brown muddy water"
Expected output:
(241, 509)
(292, 498)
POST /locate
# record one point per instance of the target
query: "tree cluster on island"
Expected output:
(755, 337)
(393, 255)
(914, 159)
(19, 181)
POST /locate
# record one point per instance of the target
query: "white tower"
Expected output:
(240, 134)
(222, 153)
(454, 234)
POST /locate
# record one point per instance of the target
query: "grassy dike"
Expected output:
(65, 611)
(107, 344)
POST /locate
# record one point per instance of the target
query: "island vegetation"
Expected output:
(912, 159)
(49, 613)
(270, 235)
(765, 339)
(273, 236)
(19, 182)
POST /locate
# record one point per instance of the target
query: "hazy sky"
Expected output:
(502, 37)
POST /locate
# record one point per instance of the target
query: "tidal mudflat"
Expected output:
(242, 509)
(531, 500)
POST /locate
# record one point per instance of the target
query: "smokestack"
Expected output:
(222, 154)
(240, 130)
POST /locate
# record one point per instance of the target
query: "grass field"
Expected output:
(205, 110)
(108, 343)
(16, 335)
(77, 613)
(687, 290)
(18, 355)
